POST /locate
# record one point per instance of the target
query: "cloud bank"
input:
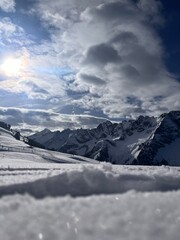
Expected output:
(29, 121)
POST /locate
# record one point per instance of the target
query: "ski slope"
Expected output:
(16, 151)
(51, 196)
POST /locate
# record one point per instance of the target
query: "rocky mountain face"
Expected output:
(163, 146)
(144, 141)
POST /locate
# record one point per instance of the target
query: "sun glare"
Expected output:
(12, 67)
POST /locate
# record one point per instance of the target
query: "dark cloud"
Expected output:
(75, 94)
(101, 54)
(146, 67)
(130, 72)
(90, 79)
(16, 116)
(117, 10)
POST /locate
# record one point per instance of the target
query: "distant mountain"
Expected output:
(15, 151)
(5, 126)
(144, 141)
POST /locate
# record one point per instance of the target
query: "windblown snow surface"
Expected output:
(53, 196)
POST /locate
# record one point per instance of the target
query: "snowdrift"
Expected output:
(90, 180)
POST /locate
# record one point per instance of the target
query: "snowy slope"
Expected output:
(12, 149)
(139, 141)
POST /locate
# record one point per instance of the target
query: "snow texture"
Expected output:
(129, 216)
(47, 201)
(89, 180)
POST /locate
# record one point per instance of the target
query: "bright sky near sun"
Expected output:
(12, 67)
(87, 60)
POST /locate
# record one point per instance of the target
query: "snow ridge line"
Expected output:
(94, 181)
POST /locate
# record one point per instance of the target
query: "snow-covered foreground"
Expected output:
(131, 216)
(54, 196)
(84, 180)
(85, 201)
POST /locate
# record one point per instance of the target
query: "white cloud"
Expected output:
(7, 5)
(9, 29)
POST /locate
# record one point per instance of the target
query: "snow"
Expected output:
(129, 216)
(18, 151)
(7, 139)
(83, 142)
(50, 195)
(75, 201)
(96, 180)
(101, 201)
(128, 147)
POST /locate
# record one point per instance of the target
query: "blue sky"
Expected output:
(170, 35)
(76, 63)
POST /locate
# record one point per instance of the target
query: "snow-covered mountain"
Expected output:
(144, 141)
(14, 150)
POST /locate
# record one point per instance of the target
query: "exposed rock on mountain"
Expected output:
(144, 141)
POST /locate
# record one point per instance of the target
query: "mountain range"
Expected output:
(143, 141)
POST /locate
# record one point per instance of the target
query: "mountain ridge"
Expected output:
(128, 142)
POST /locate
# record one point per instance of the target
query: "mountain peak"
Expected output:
(145, 140)
(45, 131)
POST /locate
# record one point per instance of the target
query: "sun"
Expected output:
(12, 66)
